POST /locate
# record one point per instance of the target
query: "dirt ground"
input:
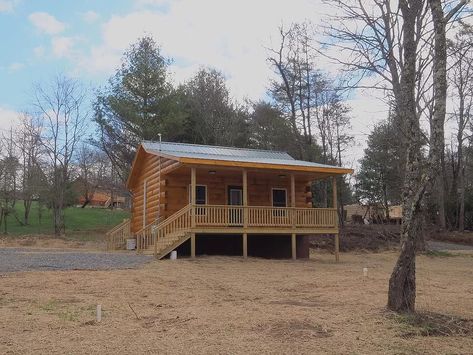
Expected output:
(219, 305)
(47, 241)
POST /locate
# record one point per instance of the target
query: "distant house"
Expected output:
(358, 213)
(103, 199)
(202, 199)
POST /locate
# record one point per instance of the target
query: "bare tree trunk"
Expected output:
(402, 283)
(441, 195)
(401, 296)
(461, 198)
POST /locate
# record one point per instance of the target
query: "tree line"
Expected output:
(449, 202)
(54, 155)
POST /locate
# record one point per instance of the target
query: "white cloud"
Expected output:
(15, 66)
(62, 46)
(46, 23)
(141, 3)
(230, 36)
(7, 5)
(90, 16)
(39, 51)
(8, 118)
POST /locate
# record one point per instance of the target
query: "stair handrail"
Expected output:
(179, 221)
(152, 232)
(118, 234)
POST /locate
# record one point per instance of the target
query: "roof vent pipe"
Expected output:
(159, 134)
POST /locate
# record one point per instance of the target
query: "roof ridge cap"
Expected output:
(219, 146)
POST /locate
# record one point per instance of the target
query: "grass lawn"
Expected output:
(80, 222)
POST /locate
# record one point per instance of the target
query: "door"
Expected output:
(235, 198)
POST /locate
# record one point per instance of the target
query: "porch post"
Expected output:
(335, 203)
(334, 191)
(293, 201)
(245, 198)
(293, 191)
(193, 186)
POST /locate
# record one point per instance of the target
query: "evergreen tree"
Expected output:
(137, 105)
(379, 179)
(211, 115)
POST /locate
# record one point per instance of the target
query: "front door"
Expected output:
(235, 198)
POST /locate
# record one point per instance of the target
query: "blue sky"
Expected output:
(86, 39)
(31, 49)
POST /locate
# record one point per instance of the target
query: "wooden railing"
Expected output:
(180, 221)
(158, 230)
(222, 216)
(262, 216)
(116, 237)
(145, 237)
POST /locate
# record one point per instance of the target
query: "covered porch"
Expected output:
(251, 201)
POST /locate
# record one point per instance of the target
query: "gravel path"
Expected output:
(442, 246)
(25, 259)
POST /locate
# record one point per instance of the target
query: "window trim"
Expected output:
(233, 187)
(272, 196)
(206, 193)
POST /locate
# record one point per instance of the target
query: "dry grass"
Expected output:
(219, 305)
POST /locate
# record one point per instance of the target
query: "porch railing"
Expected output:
(262, 216)
(157, 231)
(117, 236)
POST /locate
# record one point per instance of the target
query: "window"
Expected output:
(200, 194)
(279, 197)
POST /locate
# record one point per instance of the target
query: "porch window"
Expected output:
(279, 197)
(200, 198)
(200, 194)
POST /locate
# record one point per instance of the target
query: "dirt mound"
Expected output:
(465, 238)
(374, 237)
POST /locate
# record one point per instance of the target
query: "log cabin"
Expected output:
(200, 199)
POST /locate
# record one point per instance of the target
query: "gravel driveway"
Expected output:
(24, 259)
(444, 246)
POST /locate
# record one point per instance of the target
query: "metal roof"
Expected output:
(198, 151)
(209, 151)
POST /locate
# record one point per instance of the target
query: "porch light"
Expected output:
(282, 176)
(212, 172)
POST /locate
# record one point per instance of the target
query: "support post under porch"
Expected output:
(193, 245)
(293, 246)
(245, 245)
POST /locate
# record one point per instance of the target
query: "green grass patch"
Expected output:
(438, 253)
(59, 309)
(81, 223)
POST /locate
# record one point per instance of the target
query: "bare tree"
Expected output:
(87, 160)
(461, 79)
(28, 143)
(59, 104)
(393, 44)
(9, 166)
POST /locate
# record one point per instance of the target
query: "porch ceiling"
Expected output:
(231, 172)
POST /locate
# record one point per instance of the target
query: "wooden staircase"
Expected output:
(160, 238)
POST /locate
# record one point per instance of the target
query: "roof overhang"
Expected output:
(266, 166)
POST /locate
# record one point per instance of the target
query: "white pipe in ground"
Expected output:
(99, 313)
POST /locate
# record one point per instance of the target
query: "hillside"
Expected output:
(78, 220)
